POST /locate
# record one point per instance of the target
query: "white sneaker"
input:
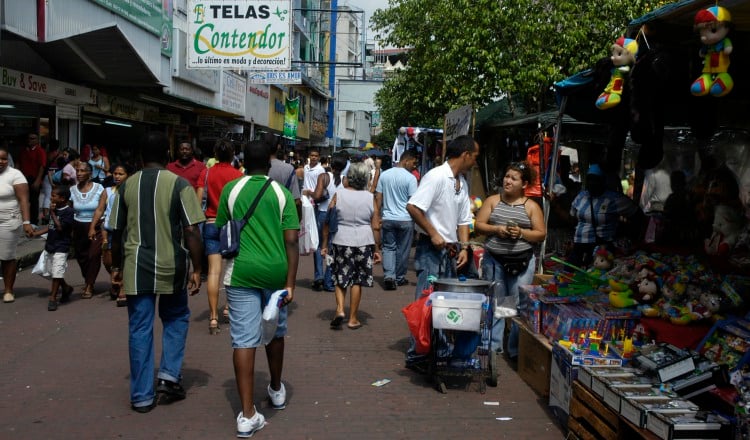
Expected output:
(247, 427)
(278, 398)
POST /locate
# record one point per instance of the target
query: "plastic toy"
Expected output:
(714, 24)
(624, 51)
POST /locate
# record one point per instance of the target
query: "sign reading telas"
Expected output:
(240, 34)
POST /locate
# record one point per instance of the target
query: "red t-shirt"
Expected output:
(189, 172)
(31, 160)
(218, 176)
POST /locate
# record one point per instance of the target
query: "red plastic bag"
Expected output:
(419, 318)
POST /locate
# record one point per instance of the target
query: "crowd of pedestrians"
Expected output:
(158, 228)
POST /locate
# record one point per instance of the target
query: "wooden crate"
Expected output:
(592, 419)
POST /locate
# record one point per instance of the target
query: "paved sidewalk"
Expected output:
(65, 375)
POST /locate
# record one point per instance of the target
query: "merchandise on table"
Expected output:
(637, 410)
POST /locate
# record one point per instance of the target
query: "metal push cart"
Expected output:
(462, 312)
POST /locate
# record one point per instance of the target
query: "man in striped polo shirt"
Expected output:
(155, 221)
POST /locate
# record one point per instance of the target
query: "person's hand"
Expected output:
(289, 297)
(92, 233)
(437, 240)
(377, 257)
(324, 251)
(462, 258)
(28, 230)
(116, 278)
(194, 285)
(514, 232)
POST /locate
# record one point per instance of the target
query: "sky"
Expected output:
(369, 7)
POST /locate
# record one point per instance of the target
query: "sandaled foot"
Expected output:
(8, 297)
(122, 301)
(354, 326)
(51, 305)
(225, 314)
(87, 294)
(336, 322)
(213, 326)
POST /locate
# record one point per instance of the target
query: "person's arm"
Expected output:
(319, 187)
(291, 238)
(22, 195)
(538, 230)
(463, 254)
(41, 231)
(116, 251)
(106, 165)
(420, 219)
(375, 225)
(375, 180)
(41, 171)
(193, 242)
(98, 214)
(379, 202)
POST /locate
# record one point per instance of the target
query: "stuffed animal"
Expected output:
(620, 295)
(603, 260)
(623, 56)
(726, 229)
(714, 24)
(647, 290)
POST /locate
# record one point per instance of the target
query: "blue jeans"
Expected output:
(428, 261)
(175, 318)
(505, 286)
(397, 237)
(246, 306)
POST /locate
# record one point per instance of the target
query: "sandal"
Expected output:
(122, 301)
(225, 314)
(336, 322)
(87, 294)
(213, 326)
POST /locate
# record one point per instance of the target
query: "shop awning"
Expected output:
(103, 58)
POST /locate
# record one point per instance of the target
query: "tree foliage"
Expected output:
(475, 51)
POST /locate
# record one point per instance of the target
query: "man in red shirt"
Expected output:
(186, 165)
(32, 162)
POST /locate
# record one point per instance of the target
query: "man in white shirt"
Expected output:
(312, 170)
(441, 208)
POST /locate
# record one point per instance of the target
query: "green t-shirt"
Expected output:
(261, 262)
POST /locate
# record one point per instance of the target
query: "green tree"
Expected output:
(474, 51)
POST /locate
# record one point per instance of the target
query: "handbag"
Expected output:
(419, 319)
(332, 217)
(229, 234)
(308, 228)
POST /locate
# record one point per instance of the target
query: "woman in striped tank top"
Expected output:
(512, 223)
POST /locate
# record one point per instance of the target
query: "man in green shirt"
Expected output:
(155, 221)
(267, 261)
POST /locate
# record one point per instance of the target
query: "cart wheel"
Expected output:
(492, 360)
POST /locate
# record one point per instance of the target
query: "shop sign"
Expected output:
(168, 118)
(240, 34)
(153, 15)
(233, 93)
(281, 77)
(123, 108)
(46, 87)
(256, 103)
(458, 122)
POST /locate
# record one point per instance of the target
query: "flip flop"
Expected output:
(336, 322)
(354, 326)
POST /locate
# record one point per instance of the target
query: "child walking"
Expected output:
(59, 236)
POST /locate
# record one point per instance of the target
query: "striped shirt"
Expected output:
(152, 207)
(500, 216)
(607, 210)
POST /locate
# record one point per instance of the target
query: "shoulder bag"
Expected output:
(229, 234)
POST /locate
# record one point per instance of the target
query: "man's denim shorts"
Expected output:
(210, 238)
(245, 311)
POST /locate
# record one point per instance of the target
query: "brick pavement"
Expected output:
(65, 375)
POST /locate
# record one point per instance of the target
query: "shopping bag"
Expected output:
(419, 319)
(308, 232)
(40, 268)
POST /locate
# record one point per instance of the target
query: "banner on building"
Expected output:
(281, 77)
(291, 117)
(153, 15)
(240, 34)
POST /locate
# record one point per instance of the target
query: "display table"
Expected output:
(534, 358)
(591, 418)
(682, 336)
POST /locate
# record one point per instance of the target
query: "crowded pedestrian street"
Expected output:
(65, 375)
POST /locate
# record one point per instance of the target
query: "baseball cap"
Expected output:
(595, 170)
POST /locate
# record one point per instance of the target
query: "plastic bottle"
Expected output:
(270, 318)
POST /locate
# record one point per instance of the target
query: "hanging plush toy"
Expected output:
(714, 24)
(623, 56)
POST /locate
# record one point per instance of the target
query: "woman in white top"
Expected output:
(85, 197)
(99, 165)
(14, 214)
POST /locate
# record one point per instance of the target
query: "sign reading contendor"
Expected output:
(240, 34)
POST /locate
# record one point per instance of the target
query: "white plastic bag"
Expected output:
(308, 231)
(506, 307)
(270, 317)
(40, 268)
